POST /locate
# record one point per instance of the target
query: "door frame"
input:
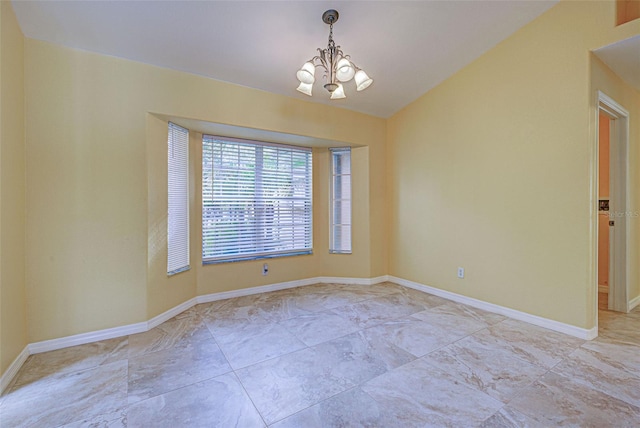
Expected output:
(618, 202)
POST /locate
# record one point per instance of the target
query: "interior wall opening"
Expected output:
(612, 184)
(604, 130)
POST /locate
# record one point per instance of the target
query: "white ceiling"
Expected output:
(407, 47)
(623, 58)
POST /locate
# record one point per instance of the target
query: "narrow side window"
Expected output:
(178, 200)
(340, 216)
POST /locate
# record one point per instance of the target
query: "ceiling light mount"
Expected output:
(337, 66)
(330, 16)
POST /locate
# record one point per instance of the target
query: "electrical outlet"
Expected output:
(265, 269)
(460, 272)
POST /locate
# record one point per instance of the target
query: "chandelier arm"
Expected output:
(316, 61)
(341, 54)
(322, 58)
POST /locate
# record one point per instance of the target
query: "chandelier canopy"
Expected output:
(337, 66)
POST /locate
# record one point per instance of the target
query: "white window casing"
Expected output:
(256, 200)
(178, 200)
(340, 214)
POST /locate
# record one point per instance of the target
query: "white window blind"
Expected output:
(178, 200)
(340, 229)
(256, 200)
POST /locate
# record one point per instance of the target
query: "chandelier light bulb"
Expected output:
(345, 70)
(305, 88)
(338, 93)
(306, 73)
(362, 80)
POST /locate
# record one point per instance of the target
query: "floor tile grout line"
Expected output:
(314, 404)
(177, 388)
(173, 345)
(382, 322)
(504, 341)
(547, 369)
(135, 403)
(226, 358)
(462, 385)
(124, 409)
(329, 340)
(588, 385)
(527, 386)
(244, 388)
(261, 361)
(270, 358)
(183, 386)
(501, 340)
(315, 344)
(551, 371)
(63, 374)
(521, 389)
(536, 380)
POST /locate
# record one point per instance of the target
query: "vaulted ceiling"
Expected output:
(623, 58)
(407, 47)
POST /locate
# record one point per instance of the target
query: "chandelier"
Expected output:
(337, 66)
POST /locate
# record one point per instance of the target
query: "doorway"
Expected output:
(604, 237)
(612, 181)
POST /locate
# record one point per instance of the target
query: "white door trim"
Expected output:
(619, 175)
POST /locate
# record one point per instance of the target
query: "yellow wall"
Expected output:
(13, 320)
(96, 150)
(605, 80)
(491, 171)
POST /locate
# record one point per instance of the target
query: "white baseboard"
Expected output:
(379, 279)
(206, 298)
(558, 326)
(81, 339)
(167, 315)
(633, 303)
(110, 333)
(141, 327)
(289, 284)
(13, 368)
(354, 281)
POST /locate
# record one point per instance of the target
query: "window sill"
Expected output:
(255, 257)
(177, 271)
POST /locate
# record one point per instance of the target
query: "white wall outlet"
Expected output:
(460, 272)
(265, 269)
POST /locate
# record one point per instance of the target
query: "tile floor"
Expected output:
(331, 355)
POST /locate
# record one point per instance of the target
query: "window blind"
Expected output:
(340, 229)
(178, 200)
(256, 199)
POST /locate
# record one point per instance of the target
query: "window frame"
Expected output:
(308, 202)
(178, 254)
(333, 249)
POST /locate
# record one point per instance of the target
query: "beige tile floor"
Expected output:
(331, 355)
